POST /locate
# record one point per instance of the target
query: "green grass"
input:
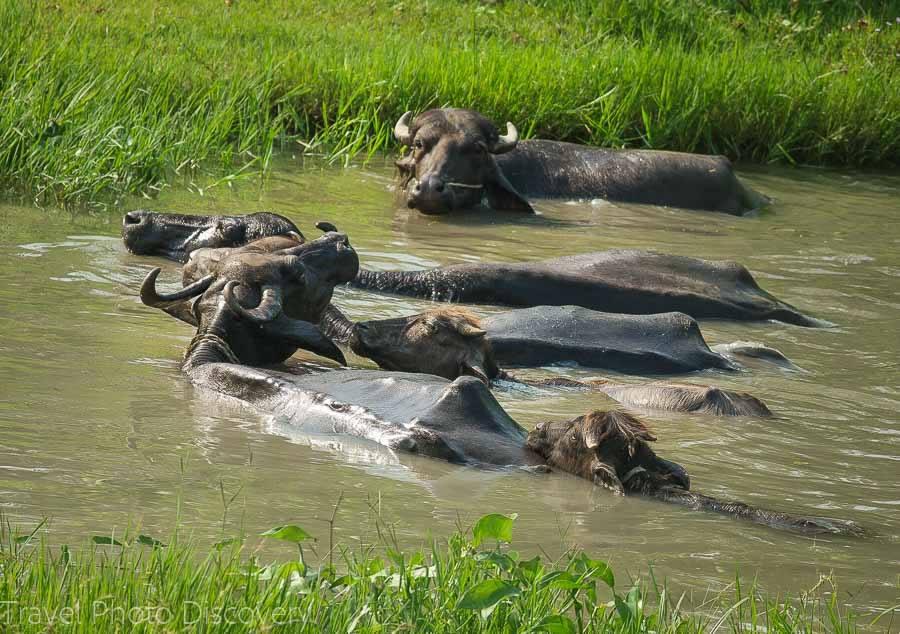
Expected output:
(472, 582)
(102, 98)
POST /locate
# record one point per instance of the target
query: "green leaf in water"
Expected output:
(596, 569)
(146, 540)
(105, 540)
(561, 580)
(531, 568)
(486, 595)
(496, 526)
(288, 533)
(502, 561)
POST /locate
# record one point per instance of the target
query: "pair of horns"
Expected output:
(600, 426)
(268, 309)
(505, 142)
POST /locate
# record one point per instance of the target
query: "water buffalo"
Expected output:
(615, 281)
(286, 291)
(459, 421)
(664, 343)
(611, 449)
(175, 236)
(450, 342)
(457, 159)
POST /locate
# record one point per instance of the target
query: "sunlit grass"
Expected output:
(99, 99)
(472, 582)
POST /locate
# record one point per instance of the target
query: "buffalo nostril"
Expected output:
(132, 218)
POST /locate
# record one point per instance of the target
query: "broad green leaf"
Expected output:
(632, 606)
(146, 540)
(635, 601)
(560, 579)
(555, 624)
(495, 526)
(486, 595)
(344, 580)
(531, 568)
(288, 533)
(502, 561)
(597, 569)
(105, 540)
(623, 609)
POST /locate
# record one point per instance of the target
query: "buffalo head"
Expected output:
(610, 449)
(451, 162)
(175, 236)
(447, 342)
(272, 299)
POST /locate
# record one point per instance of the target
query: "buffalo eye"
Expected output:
(418, 144)
(574, 437)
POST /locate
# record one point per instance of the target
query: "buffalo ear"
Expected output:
(183, 310)
(473, 369)
(304, 335)
(502, 196)
(604, 475)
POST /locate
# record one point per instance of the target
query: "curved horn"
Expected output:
(468, 330)
(507, 141)
(151, 297)
(401, 129)
(324, 225)
(269, 306)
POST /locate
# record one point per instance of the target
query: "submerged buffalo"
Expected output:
(175, 236)
(458, 159)
(459, 421)
(450, 343)
(662, 343)
(615, 281)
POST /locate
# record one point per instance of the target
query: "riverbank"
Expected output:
(472, 582)
(102, 99)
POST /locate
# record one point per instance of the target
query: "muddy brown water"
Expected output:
(99, 430)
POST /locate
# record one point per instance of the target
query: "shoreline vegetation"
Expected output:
(107, 99)
(471, 582)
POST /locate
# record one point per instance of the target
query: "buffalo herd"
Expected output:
(255, 290)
